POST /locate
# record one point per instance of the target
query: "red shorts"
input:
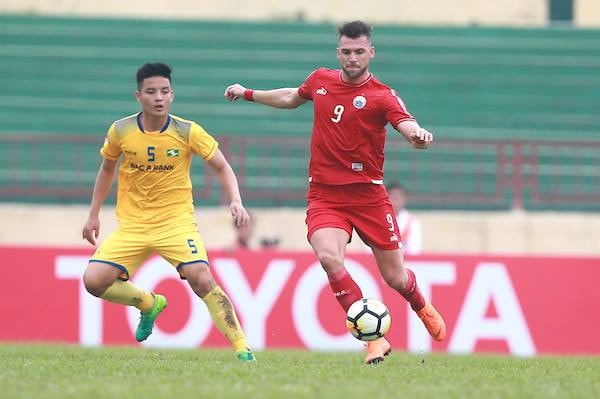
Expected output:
(364, 207)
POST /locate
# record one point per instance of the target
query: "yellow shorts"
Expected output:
(131, 244)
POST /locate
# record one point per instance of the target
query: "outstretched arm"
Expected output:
(229, 182)
(278, 98)
(104, 181)
(413, 133)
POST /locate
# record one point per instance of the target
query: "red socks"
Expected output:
(412, 292)
(346, 291)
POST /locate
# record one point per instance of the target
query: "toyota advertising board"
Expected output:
(523, 306)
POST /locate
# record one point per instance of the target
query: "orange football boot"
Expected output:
(376, 350)
(433, 321)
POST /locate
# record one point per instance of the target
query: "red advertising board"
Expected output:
(519, 305)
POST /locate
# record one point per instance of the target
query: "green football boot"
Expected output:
(246, 356)
(144, 328)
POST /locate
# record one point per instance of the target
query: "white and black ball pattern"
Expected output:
(368, 319)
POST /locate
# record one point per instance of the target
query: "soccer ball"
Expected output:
(368, 319)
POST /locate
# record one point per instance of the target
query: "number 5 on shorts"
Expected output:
(192, 246)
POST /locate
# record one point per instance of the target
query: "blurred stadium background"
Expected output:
(510, 88)
(513, 108)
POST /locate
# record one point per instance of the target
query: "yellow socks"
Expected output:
(218, 303)
(125, 293)
(223, 315)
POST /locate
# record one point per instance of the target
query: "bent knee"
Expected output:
(93, 286)
(330, 260)
(96, 280)
(199, 277)
(395, 280)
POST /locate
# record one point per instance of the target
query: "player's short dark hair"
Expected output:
(355, 29)
(152, 69)
(394, 185)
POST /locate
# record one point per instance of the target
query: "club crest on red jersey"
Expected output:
(359, 102)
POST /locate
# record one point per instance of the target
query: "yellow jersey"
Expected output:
(154, 176)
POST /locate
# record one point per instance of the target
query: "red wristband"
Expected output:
(249, 94)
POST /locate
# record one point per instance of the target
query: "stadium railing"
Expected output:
(272, 171)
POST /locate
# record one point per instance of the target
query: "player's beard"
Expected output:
(353, 73)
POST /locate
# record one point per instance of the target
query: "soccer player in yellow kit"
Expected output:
(155, 208)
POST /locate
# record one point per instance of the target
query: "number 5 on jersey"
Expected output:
(338, 110)
(151, 154)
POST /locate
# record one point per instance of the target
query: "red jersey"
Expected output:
(349, 132)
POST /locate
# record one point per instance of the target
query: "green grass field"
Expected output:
(55, 371)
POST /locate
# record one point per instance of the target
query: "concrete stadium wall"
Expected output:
(458, 12)
(586, 13)
(515, 233)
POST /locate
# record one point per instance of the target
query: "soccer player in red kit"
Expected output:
(346, 191)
